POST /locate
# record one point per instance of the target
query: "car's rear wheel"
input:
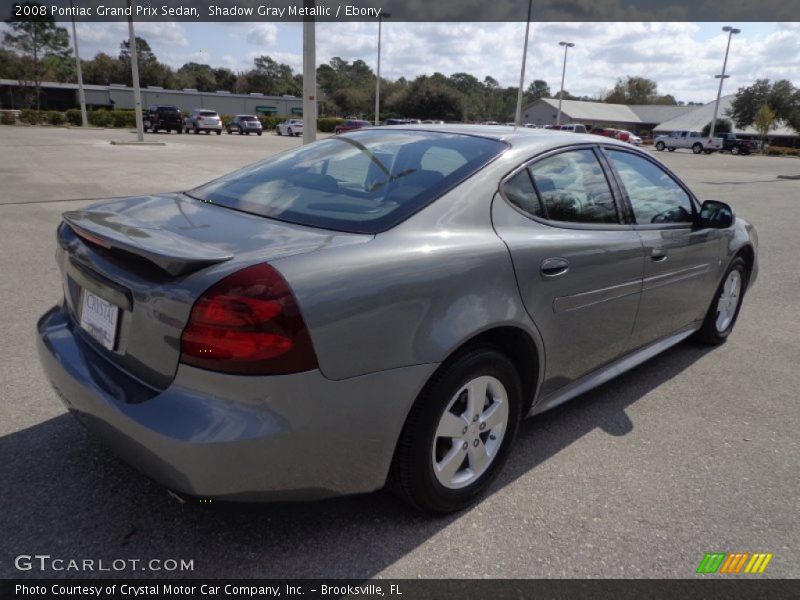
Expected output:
(219, 131)
(697, 148)
(458, 433)
(735, 150)
(289, 131)
(671, 149)
(278, 131)
(660, 146)
(259, 133)
(724, 309)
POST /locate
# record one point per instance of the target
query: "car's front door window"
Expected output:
(654, 196)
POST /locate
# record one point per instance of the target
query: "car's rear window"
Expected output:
(207, 113)
(248, 119)
(167, 110)
(366, 182)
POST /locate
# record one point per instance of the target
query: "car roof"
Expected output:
(517, 137)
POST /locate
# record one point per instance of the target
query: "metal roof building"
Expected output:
(702, 115)
(61, 96)
(635, 117)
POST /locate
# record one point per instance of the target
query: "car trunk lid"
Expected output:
(142, 262)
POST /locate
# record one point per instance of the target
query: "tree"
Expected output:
(35, 38)
(102, 70)
(782, 97)
(196, 76)
(537, 89)
(764, 121)
(637, 90)
(722, 126)
(432, 97)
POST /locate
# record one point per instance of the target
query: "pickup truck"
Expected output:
(690, 140)
(728, 142)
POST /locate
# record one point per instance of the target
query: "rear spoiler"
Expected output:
(171, 252)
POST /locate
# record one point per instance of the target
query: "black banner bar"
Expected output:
(405, 10)
(716, 588)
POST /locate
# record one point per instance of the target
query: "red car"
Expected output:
(351, 125)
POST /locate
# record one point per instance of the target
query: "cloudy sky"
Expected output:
(681, 57)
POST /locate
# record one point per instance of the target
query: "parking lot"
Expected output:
(695, 451)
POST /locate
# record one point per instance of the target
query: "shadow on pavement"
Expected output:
(64, 495)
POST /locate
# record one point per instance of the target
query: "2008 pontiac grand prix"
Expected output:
(380, 307)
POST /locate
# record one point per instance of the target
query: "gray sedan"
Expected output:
(382, 307)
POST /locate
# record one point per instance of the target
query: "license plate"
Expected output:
(99, 319)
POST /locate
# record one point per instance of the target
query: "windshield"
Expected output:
(366, 182)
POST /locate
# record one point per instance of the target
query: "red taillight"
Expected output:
(248, 323)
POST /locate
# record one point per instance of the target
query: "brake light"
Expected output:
(248, 323)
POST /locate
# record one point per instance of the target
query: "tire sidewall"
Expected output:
(423, 482)
(710, 325)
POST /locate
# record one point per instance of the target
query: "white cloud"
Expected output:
(262, 34)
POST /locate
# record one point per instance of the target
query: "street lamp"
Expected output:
(567, 46)
(518, 115)
(81, 93)
(309, 74)
(137, 92)
(731, 32)
(381, 16)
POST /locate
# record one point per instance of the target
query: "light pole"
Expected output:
(309, 76)
(567, 46)
(137, 92)
(381, 16)
(731, 31)
(81, 94)
(518, 116)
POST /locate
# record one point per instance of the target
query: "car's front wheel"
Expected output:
(724, 309)
(458, 433)
(735, 150)
(697, 148)
(660, 146)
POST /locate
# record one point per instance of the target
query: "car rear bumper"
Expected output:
(290, 437)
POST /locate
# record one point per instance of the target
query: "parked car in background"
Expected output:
(630, 137)
(729, 142)
(379, 308)
(489, 123)
(432, 122)
(351, 125)
(689, 140)
(401, 122)
(203, 119)
(162, 118)
(574, 127)
(245, 125)
(290, 127)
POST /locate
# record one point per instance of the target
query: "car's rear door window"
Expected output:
(365, 182)
(574, 188)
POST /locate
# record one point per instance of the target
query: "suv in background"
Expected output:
(203, 119)
(681, 139)
(245, 124)
(164, 117)
(728, 142)
(574, 127)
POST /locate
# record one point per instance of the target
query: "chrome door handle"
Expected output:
(658, 254)
(553, 267)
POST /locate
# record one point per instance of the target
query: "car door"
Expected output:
(578, 263)
(682, 262)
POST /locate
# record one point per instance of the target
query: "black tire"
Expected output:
(412, 476)
(697, 148)
(735, 150)
(671, 149)
(259, 134)
(708, 151)
(219, 131)
(709, 333)
(289, 131)
(278, 131)
(660, 146)
(179, 130)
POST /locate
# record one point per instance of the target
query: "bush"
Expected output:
(268, 122)
(30, 116)
(328, 124)
(74, 117)
(7, 118)
(123, 118)
(55, 117)
(226, 120)
(100, 118)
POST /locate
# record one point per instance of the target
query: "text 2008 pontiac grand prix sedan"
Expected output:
(380, 307)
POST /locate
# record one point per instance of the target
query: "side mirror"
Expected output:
(715, 215)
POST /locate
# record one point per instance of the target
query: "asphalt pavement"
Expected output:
(695, 451)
